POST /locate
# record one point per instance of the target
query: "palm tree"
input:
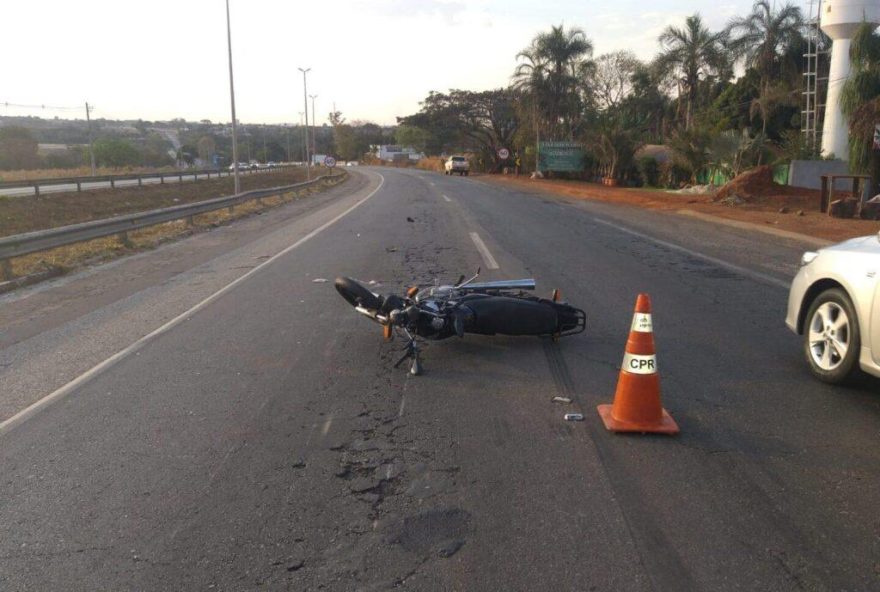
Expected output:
(691, 53)
(860, 98)
(763, 40)
(548, 74)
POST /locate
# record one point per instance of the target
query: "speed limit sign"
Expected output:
(330, 162)
(503, 153)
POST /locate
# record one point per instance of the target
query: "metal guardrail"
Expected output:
(43, 240)
(139, 177)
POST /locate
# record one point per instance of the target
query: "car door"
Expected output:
(874, 339)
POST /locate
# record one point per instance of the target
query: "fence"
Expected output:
(113, 179)
(43, 240)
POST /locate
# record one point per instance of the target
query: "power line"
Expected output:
(41, 106)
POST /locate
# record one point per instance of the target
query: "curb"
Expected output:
(804, 238)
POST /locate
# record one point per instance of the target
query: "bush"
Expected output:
(649, 171)
(674, 175)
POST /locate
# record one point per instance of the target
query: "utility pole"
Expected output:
(287, 129)
(265, 153)
(306, 106)
(232, 102)
(302, 133)
(314, 123)
(91, 142)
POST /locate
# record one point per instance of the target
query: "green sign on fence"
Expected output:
(561, 156)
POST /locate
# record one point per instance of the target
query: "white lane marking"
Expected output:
(755, 275)
(66, 389)
(326, 427)
(488, 259)
(447, 198)
(402, 405)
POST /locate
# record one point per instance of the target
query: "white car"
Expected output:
(457, 164)
(834, 302)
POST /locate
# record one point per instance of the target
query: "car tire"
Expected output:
(831, 325)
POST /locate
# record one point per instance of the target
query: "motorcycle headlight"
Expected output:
(808, 258)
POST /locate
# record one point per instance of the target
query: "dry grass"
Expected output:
(22, 175)
(104, 249)
(431, 163)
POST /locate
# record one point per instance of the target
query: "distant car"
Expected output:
(457, 164)
(271, 164)
(241, 166)
(834, 302)
(352, 163)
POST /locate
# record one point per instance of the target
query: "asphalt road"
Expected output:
(260, 438)
(67, 187)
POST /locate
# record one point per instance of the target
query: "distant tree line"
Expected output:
(686, 98)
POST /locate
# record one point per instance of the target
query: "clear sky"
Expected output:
(375, 59)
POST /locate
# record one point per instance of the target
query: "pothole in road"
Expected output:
(440, 530)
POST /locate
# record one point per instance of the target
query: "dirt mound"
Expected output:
(752, 185)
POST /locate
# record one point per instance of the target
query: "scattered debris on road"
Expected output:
(574, 417)
(561, 400)
(319, 281)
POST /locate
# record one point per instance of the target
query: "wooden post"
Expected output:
(824, 197)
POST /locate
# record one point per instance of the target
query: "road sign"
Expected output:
(560, 156)
(330, 162)
(503, 153)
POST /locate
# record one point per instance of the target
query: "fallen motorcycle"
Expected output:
(483, 308)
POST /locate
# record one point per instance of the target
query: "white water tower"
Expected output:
(839, 19)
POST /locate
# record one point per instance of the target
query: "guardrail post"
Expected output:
(180, 177)
(190, 221)
(6, 268)
(36, 190)
(79, 187)
(195, 176)
(112, 183)
(231, 209)
(123, 238)
(140, 181)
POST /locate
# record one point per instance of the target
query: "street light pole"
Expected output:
(232, 102)
(314, 123)
(306, 105)
(91, 142)
(302, 134)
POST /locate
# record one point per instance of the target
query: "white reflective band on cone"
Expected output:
(636, 364)
(642, 322)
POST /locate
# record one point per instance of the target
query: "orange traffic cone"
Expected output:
(636, 405)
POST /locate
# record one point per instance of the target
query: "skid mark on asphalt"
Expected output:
(755, 275)
(660, 561)
(488, 259)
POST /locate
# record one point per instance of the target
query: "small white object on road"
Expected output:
(574, 417)
(319, 281)
(561, 400)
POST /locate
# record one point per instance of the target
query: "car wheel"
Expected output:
(831, 337)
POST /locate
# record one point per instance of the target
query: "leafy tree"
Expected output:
(114, 152)
(612, 80)
(860, 99)
(206, 148)
(690, 54)
(18, 148)
(416, 137)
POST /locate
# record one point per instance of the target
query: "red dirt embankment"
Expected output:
(760, 201)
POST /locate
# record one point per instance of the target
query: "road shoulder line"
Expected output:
(755, 275)
(804, 238)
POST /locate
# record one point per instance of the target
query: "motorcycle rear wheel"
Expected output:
(356, 294)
